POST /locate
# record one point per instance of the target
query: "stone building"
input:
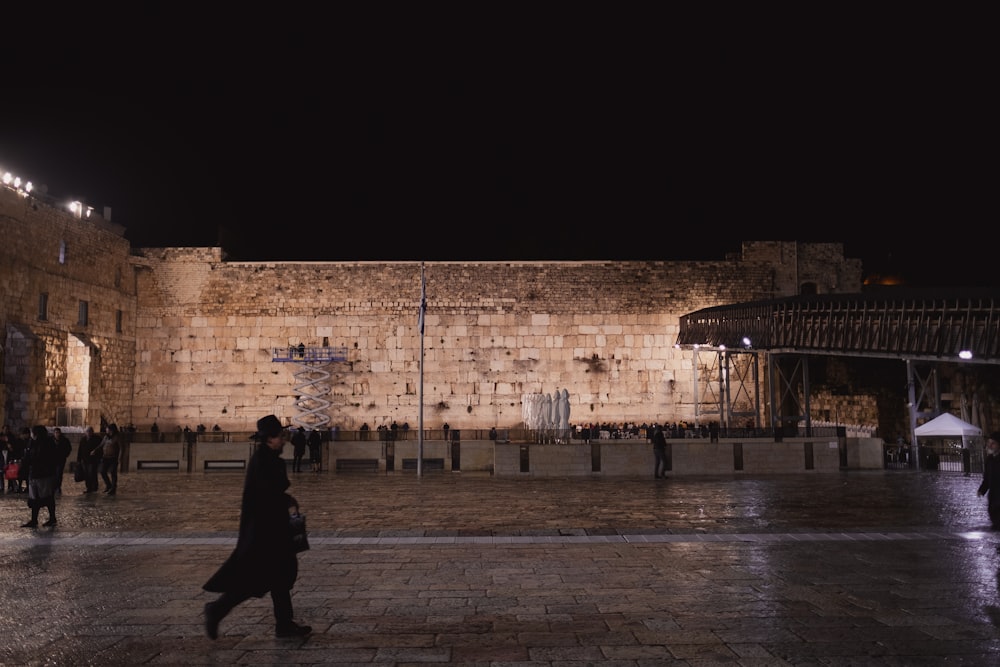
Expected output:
(95, 329)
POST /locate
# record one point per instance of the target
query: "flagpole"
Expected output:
(420, 394)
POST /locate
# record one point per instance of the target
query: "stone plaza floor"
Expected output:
(854, 568)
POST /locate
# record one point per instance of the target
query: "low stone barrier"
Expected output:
(609, 458)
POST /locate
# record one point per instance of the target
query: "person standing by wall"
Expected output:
(263, 560)
(21, 443)
(111, 450)
(63, 448)
(42, 463)
(5, 455)
(659, 453)
(316, 450)
(298, 448)
(88, 455)
(991, 479)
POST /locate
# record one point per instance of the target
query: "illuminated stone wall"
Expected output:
(494, 332)
(51, 362)
(197, 332)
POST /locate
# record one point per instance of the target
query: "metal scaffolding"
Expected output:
(312, 381)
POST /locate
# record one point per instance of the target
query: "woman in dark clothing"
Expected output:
(263, 561)
(991, 479)
(42, 463)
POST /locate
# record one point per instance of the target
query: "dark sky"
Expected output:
(589, 137)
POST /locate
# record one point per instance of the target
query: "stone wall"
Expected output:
(197, 332)
(494, 332)
(51, 252)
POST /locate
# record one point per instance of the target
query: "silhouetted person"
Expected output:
(264, 560)
(991, 479)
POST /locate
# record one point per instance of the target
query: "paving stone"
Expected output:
(892, 568)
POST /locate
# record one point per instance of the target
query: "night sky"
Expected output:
(579, 137)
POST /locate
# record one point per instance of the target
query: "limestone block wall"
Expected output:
(183, 337)
(494, 331)
(50, 262)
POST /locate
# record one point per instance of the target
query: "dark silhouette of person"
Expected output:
(298, 448)
(264, 560)
(659, 453)
(315, 450)
(63, 448)
(41, 461)
(111, 451)
(88, 454)
(991, 479)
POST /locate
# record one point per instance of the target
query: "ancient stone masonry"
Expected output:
(197, 332)
(68, 312)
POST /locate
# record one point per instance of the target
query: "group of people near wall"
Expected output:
(631, 430)
(99, 454)
(34, 461)
(300, 442)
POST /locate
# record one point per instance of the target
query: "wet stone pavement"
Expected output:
(858, 568)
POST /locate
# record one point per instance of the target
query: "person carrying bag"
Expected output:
(264, 560)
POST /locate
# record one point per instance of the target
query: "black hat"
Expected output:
(269, 426)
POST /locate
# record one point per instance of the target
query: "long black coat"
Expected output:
(991, 483)
(263, 559)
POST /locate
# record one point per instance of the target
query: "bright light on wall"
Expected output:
(15, 182)
(965, 354)
(80, 210)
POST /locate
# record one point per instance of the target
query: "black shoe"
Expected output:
(50, 522)
(211, 621)
(113, 491)
(292, 629)
(30, 524)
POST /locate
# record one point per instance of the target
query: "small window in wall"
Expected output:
(118, 321)
(43, 306)
(84, 315)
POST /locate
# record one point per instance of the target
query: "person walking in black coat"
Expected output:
(42, 463)
(263, 560)
(991, 479)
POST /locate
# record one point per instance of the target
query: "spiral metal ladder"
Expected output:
(312, 381)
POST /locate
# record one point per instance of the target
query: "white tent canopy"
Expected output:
(947, 426)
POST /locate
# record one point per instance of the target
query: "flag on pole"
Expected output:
(423, 302)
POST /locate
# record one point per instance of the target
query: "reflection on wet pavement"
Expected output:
(857, 568)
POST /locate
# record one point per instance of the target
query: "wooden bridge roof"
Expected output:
(917, 324)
